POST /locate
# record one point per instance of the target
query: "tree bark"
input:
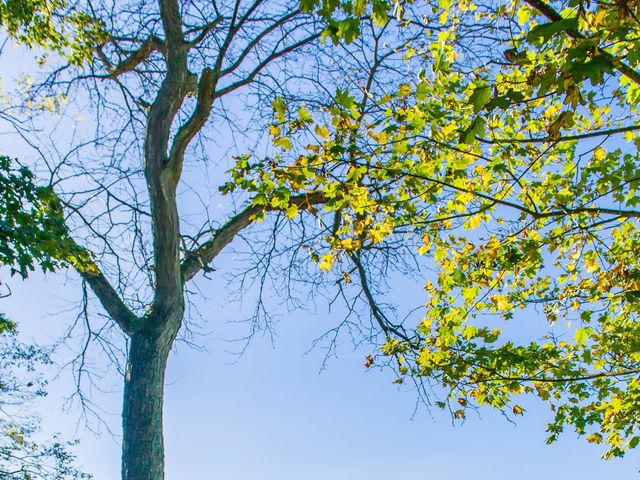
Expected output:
(143, 443)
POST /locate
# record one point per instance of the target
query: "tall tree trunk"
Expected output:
(143, 444)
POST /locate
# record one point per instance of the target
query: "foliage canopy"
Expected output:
(32, 229)
(52, 25)
(513, 166)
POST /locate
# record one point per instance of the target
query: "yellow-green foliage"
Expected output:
(517, 178)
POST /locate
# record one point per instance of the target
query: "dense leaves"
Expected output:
(51, 24)
(32, 229)
(514, 164)
(344, 19)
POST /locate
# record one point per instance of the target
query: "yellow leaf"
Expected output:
(327, 262)
(346, 244)
(473, 222)
(404, 90)
(275, 130)
(501, 302)
(518, 410)
(599, 153)
(523, 15)
(594, 438)
(426, 245)
(292, 211)
(322, 131)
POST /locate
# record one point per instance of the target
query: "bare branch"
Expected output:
(200, 258)
(108, 297)
(275, 55)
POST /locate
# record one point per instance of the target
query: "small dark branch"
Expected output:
(557, 212)
(591, 210)
(566, 138)
(547, 379)
(199, 259)
(275, 55)
(387, 327)
(234, 28)
(206, 29)
(256, 40)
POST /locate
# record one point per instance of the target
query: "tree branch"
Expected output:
(162, 182)
(558, 211)
(206, 89)
(135, 58)
(108, 297)
(565, 138)
(172, 26)
(276, 54)
(256, 40)
(198, 259)
(383, 322)
(547, 379)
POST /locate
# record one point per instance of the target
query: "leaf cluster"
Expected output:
(54, 26)
(32, 229)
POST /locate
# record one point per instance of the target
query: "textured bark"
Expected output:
(143, 444)
(149, 347)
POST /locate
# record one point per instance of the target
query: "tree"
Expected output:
(21, 457)
(515, 162)
(33, 235)
(388, 145)
(151, 110)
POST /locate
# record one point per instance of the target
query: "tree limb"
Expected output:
(150, 45)
(383, 322)
(206, 89)
(275, 55)
(565, 138)
(108, 297)
(198, 259)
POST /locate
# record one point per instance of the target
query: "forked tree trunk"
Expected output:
(143, 444)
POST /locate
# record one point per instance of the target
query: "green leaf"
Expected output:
(581, 335)
(546, 31)
(480, 97)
